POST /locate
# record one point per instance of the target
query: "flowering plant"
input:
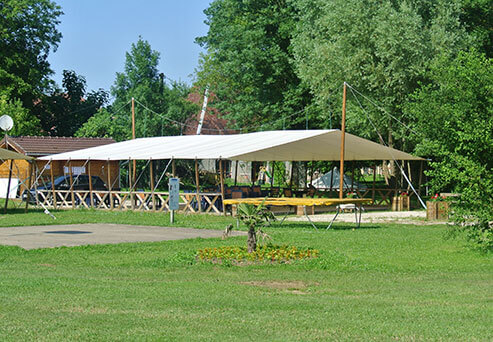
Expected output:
(351, 195)
(437, 197)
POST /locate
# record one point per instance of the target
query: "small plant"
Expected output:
(437, 198)
(351, 195)
(254, 217)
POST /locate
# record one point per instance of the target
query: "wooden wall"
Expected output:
(20, 170)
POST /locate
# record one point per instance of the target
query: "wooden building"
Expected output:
(45, 146)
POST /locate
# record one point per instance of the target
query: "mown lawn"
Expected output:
(380, 282)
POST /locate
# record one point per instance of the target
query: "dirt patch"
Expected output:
(295, 287)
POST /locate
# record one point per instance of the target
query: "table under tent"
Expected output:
(268, 146)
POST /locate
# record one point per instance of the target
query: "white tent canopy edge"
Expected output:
(292, 145)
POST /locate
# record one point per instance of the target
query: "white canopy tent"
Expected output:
(299, 145)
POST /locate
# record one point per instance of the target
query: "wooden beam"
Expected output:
(221, 178)
(53, 184)
(151, 171)
(29, 184)
(197, 184)
(71, 176)
(108, 177)
(90, 181)
(343, 141)
(236, 172)
(8, 187)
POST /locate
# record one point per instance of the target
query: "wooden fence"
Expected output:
(125, 200)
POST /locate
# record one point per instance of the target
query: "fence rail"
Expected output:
(126, 200)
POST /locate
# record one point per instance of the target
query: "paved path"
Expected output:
(32, 237)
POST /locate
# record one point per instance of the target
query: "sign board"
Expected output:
(174, 193)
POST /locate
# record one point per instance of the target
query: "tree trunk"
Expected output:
(252, 240)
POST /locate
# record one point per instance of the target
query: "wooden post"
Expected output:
(108, 177)
(374, 181)
(130, 185)
(221, 178)
(343, 141)
(151, 170)
(236, 172)
(90, 181)
(29, 183)
(197, 184)
(420, 179)
(53, 184)
(173, 168)
(133, 136)
(72, 197)
(352, 178)
(8, 187)
(272, 178)
(331, 178)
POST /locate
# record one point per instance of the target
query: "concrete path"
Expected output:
(32, 237)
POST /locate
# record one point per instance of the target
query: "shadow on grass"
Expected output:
(322, 226)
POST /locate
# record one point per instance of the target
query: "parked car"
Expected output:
(81, 182)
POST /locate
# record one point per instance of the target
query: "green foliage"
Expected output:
(382, 48)
(28, 33)
(455, 115)
(268, 253)
(254, 216)
(249, 63)
(64, 111)
(161, 109)
(24, 123)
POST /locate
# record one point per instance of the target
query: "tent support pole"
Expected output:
(53, 184)
(173, 167)
(151, 171)
(71, 175)
(108, 177)
(8, 187)
(272, 178)
(197, 184)
(130, 184)
(236, 172)
(374, 181)
(221, 178)
(420, 179)
(29, 183)
(343, 138)
(352, 180)
(90, 181)
(331, 179)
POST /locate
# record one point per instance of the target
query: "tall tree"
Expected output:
(27, 34)
(160, 108)
(248, 64)
(64, 111)
(381, 48)
(454, 115)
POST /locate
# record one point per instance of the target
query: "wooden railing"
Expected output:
(125, 200)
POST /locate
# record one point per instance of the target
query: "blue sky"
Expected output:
(97, 33)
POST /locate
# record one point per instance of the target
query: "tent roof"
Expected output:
(260, 146)
(7, 155)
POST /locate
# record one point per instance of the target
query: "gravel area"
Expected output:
(405, 217)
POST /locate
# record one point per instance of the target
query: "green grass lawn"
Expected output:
(380, 282)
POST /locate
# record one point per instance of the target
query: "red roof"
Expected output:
(213, 123)
(43, 146)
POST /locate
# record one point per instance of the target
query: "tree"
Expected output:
(254, 217)
(455, 116)
(248, 65)
(24, 123)
(381, 48)
(161, 109)
(27, 34)
(64, 111)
